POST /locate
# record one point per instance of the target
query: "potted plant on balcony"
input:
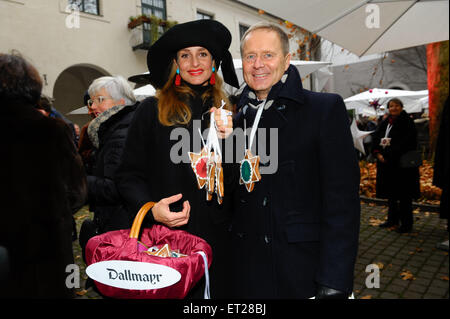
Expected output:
(138, 20)
(144, 37)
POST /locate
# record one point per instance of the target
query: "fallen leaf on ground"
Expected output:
(375, 221)
(81, 292)
(407, 275)
(380, 265)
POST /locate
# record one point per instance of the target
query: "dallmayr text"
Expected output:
(130, 276)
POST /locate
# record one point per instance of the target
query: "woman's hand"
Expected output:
(162, 213)
(224, 125)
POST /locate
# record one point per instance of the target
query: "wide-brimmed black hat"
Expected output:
(209, 34)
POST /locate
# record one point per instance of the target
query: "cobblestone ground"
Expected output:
(82, 293)
(409, 265)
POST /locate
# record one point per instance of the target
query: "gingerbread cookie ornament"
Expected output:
(207, 165)
(199, 163)
(249, 171)
(249, 165)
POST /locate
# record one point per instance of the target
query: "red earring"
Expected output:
(213, 77)
(178, 78)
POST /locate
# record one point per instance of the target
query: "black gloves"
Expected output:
(330, 293)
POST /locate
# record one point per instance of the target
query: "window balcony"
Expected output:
(145, 30)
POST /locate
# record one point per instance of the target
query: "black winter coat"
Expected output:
(156, 165)
(299, 227)
(42, 185)
(392, 181)
(104, 198)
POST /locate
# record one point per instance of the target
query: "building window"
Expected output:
(242, 29)
(204, 16)
(154, 7)
(86, 6)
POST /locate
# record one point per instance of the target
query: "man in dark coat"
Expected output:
(296, 234)
(43, 184)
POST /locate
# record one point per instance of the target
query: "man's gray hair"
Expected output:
(116, 86)
(284, 40)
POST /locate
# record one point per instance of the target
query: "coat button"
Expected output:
(265, 200)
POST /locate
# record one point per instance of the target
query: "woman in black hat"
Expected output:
(155, 165)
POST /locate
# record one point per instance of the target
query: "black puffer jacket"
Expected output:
(108, 136)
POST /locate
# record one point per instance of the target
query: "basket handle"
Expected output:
(134, 232)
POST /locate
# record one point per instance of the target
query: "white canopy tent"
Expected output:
(81, 110)
(412, 101)
(144, 91)
(366, 26)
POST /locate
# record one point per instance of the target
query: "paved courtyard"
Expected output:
(409, 265)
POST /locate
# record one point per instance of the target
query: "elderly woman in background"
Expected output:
(113, 103)
(394, 137)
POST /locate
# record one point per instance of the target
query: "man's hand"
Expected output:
(162, 213)
(380, 158)
(224, 122)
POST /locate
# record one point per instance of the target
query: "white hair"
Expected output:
(116, 86)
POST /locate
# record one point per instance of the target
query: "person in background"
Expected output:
(395, 136)
(43, 184)
(45, 107)
(113, 103)
(85, 147)
(183, 66)
(77, 131)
